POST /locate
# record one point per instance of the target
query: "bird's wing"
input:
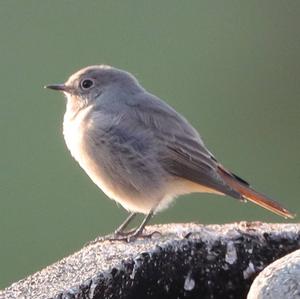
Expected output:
(180, 149)
(182, 153)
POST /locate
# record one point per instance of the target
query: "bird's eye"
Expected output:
(86, 83)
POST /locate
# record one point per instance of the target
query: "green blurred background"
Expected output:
(231, 67)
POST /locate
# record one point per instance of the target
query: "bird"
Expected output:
(139, 150)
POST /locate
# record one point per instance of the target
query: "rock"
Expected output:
(280, 280)
(185, 261)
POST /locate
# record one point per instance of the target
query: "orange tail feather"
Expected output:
(254, 196)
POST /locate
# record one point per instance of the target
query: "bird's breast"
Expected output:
(77, 131)
(74, 128)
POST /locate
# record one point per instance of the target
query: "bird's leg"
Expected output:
(139, 231)
(132, 235)
(119, 233)
(120, 230)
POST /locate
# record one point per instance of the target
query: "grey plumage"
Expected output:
(134, 146)
(151, 130)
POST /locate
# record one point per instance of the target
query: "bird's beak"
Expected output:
(59, 87)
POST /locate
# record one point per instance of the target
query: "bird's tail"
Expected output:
(248, 193)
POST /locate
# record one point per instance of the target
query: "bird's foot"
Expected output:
(128, 236)
(131, 236)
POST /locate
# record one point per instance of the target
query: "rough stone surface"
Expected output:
(281, 279)
(186, 261)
